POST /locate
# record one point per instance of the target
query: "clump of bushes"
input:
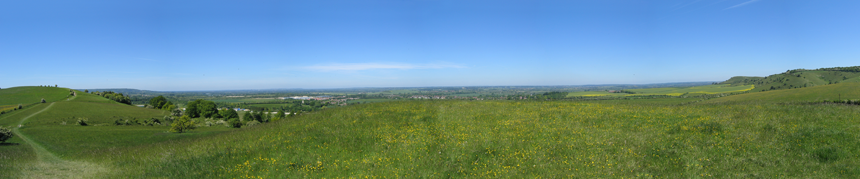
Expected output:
(182, 124)
(5, 134)
(234, 122)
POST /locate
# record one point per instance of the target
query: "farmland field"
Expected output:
(250, 100)
(707, 89)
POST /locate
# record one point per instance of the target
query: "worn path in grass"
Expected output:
(49, 165)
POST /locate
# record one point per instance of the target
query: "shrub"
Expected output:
(5, 134)
(235, 123)
(182, 124)
(118, 122)
(20, 106)
(43, 100)
(177, 112)
(168, 118)
(252, 123)
(82, 122)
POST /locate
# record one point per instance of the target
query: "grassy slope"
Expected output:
(28, 95)
(790, 80)
(73, 141)
(15, 152)
(848, 90)
(518, 139)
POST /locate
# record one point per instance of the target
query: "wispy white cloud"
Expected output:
(377, 66)
(742, 4)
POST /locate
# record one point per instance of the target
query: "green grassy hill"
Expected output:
(11, 97)
(845, 90)
(799, 78)
(52, 126)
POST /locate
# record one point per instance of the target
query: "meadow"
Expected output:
(728, 137)
(521, 139)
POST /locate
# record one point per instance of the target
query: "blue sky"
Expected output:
(222, 45)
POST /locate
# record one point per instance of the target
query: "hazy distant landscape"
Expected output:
(430, 89)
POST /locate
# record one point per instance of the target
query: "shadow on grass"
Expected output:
(5, 144)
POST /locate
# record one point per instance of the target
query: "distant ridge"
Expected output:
(799, 78)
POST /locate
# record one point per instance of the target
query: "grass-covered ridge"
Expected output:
(11, 97)
(799, 78)
(844, 91)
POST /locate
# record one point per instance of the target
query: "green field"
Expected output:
(708, 89)
(368, 101)
(249, 100)
(741, 136)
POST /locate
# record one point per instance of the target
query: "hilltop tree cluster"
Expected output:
(161, 102)
(118, 97)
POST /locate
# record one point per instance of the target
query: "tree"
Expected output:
(158, 102)
(228, 114)
(191, 109)
(247, 116)
(281, 114)
(43, 100)
(169, 106)
(182, 124)
(20, 106)
(5, 134)
(208, 109)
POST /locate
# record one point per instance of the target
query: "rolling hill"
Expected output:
(12, 97)
(799, 78)
(845, 90)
